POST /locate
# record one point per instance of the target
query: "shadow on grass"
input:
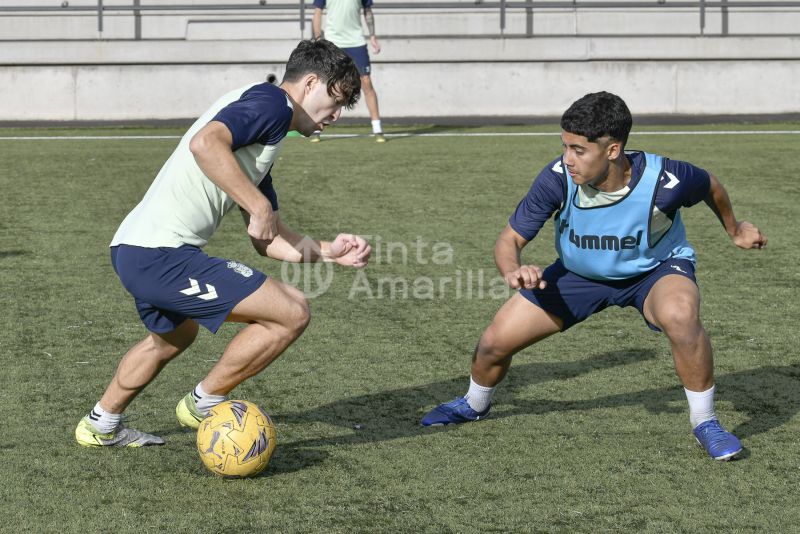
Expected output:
(426, 129)
(396, 413)
(769, 397)
(12, 253)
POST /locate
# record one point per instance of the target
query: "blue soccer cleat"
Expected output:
(718, 442)
(452, 413)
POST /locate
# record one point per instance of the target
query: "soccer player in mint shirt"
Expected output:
(343, 28)
(223, 161)
(620, 242)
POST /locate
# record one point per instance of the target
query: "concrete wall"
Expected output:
(107, 80)
(469, 20)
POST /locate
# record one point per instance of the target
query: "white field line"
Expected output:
(440, 134)
(88, 137)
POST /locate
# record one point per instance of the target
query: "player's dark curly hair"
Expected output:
(330, 63)
(596, 115)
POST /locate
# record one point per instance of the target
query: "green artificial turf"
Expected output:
(589, 432)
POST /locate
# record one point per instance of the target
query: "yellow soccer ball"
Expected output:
(236, 440)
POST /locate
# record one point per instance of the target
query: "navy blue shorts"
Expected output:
(573, 298)
(360, 57)
(171, 285)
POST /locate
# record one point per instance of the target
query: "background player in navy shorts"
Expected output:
(343, 28)
(223, 162)
(620, 241)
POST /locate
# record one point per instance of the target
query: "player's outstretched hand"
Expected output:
(350, 250)
(263, 226)
(749, 236)
(527, 276)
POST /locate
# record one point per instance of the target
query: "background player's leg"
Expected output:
(278, 314)
(143, 362)
(371, 97)
(673, 305)
(518, 324)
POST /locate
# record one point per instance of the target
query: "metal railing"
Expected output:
(502, 7)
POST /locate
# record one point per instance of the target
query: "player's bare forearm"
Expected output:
(719, 202)
(288, 245)
(373, 39)
(743, 234)
(282, 249)
(369, 18)
(508, 249)
(507, 256)
(316, 23)
(292, 246)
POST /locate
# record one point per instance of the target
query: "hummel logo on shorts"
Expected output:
(194, 289)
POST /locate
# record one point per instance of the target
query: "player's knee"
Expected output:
(299, 315)
(366, 84)
(303, 316)
(491, 345)
(681, 317)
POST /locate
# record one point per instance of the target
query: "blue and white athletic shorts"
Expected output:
(171, 285)
(573, 298)
(360, 57)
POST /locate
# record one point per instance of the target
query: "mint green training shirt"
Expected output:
(343, 21)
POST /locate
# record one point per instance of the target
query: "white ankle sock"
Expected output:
(205, 401)
(376, 126)
(701, 405)
(102, 421)
(478, 397)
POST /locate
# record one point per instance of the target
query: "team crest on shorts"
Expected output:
(240, 268)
